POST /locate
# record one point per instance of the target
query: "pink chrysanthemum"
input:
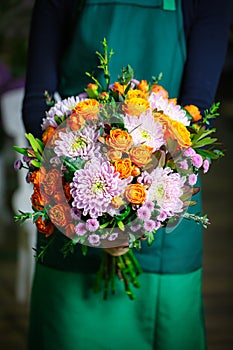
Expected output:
(92, 225)
(94, 187)
(80, 229)
(166, 190)
(149, 225)
(197, 160)
(192, 179)
(206, 165)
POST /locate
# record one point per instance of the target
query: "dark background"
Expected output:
(217, 199)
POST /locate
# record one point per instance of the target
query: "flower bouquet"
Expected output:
(114, 165)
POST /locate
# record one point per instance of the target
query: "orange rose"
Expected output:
(141, 155)
(176, 131)
(36, 199)
(143, 85)
(60, 215)
(136, 106)
(88, 109)
(66, 188)
(194, 112)
(124, 167)
(44, 226)
(47, 134)
(75, 121)
(136, 93)
(158, 89)
(119, 140)
(117, 87)
(114, 154)
(35, 176)
(51, 181)
(135, 171)
(135, 193)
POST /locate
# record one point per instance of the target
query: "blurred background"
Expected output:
(16, 255)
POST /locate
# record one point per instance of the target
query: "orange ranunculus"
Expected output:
(75, 121)
(104, 95)
(124, 167)
(69, 230)
(194, 112)
(135, 193)
(114, 154)
(136, 93)
(176, 131)
(44, 226)
(158, 89)
(88, 109)
(35, 177)
(119, 140)
(51, 182)
(136, 106)
(47, 134)
(117, 87)
(36, 199)
(59, 214)
(143, 85)
(117, 202)
(141, 155)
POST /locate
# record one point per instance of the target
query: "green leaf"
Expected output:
(121, 225)
(205, 142)
(35, 163)
(21, 150)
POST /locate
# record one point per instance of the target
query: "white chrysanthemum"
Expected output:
(145, 130)
(172, 110)
(78, 143)
(165, 190)
(63, 107)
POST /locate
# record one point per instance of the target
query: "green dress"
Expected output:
(168, 311)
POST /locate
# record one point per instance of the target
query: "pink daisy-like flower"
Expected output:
(80, 229)
(157, 225)
(94, 187)
(94, 240)
(189, 152)
(149, 225)
(162, 216)
(149, 204)
(206, 165)
(197, 160)
(92, 225)
(135, 228)
(184, 164)
(192, 179)
(143, 213)
(113, 236)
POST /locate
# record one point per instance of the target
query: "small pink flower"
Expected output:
(184, 164)
(92, 225)
(157, 225)
(149, 225)
(197, 160)
(162, 216)
(80, 229)
(135, 228)
(206, 165)
(149, 204)
(192, 179)
(143, 213)
(189, 152)
(113, 236)
(94, 240)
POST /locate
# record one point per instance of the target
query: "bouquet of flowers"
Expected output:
(114, 165)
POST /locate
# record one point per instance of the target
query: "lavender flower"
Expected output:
(80, 229)
(162, 216)
(189, 152)
(192, 179)
(18, 164)
(94, 187)
(92, 225)
(75, 213)
(94, 240)
(113, 236)
(206, 165)
(135, 228)
(197, 160)
(143, 213)
(149, 225)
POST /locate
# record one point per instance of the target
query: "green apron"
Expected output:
(168, 311)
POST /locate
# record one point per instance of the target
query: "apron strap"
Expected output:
(169, 5)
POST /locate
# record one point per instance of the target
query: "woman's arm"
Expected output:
(49, 34)
(207, 26)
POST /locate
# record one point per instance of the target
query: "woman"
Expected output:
(186, 41)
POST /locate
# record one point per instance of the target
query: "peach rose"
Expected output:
(124, 167)
(135, 193)
(141, 155)
(194, 112)
(88, 109)
(135, 171)
(119, 140)
(176, 131)
(60, 215)
(114, 154)
(44, 226)
(117, 202)
(136, 106)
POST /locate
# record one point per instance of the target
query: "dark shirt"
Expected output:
(206, 26)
